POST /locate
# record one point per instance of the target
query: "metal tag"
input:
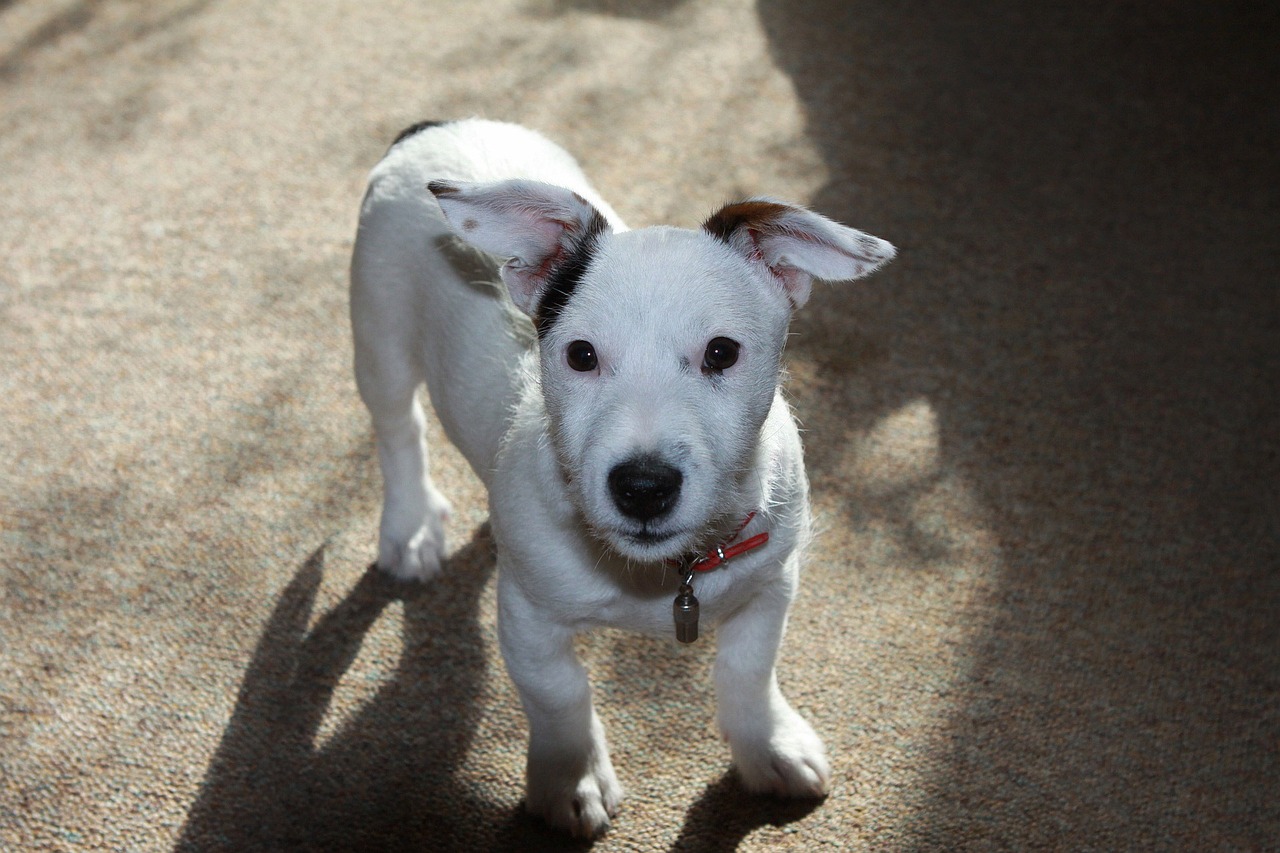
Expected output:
(685, 611)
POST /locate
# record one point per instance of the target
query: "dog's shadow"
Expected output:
(386, 778)
(726, 814)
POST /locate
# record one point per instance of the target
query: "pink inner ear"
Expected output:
(757, 254)
(796, 283)
(789, 276)
(551, 261)
(551, 231)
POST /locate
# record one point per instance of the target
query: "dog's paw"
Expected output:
(789, 761)
(583, 806)
(415, 552)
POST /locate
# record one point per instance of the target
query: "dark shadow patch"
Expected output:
(726, 813)
(82, 18)
(1086, 299)
(521, 832)
(386, 779)
(71, 19)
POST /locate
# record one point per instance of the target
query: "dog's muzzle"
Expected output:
(645, 488)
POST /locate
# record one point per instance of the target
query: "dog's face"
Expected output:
(660, 349)
(658, 372)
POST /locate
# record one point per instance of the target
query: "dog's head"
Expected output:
(660, 348)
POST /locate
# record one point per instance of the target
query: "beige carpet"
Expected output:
(1045, 444)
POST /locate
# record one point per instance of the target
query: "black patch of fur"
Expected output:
(744, 214)
(415, 128)
(568, 274)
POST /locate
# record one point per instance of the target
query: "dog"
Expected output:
(618, 393)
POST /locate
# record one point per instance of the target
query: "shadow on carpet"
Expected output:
(385, 778)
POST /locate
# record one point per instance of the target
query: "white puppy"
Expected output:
(642, 466)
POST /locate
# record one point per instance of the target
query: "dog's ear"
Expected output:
(542, 229)
(797, 245)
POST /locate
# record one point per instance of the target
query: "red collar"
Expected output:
(722, 553)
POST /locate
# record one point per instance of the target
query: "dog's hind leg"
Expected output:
(411, 533)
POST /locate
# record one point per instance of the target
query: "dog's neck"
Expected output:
(726, 548)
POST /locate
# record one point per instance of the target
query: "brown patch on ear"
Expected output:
(755, 215)
(439, 188)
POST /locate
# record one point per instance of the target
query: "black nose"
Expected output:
(645, 488)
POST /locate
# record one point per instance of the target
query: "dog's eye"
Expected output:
(721, 354)
(581, 356)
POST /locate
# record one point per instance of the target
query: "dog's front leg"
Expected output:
(774, 749)
(570, 779)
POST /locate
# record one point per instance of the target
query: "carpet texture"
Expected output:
(1044, 443)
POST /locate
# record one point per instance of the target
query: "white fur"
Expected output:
(544, 437)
